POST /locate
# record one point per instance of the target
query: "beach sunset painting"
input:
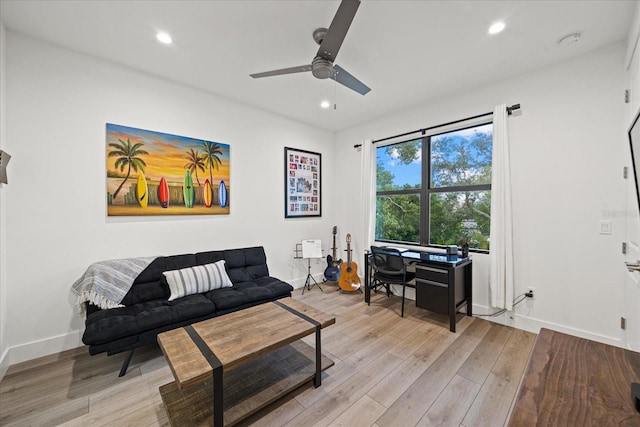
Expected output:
(154, 173)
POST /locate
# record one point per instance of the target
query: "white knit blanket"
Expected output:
(106, 283)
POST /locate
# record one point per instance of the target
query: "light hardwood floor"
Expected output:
(389, 371)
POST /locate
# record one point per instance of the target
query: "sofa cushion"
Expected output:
(197, 279)
(209, 257)
(242, 264)
(226, 298)
(188, 307)
(276, 286)
(261, 289)
(245, 265)
(107, 325)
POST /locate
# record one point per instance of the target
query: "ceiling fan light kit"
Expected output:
(330, 40)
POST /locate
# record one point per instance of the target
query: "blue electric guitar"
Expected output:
(332, 272)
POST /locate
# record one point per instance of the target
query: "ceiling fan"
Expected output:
(330, 40)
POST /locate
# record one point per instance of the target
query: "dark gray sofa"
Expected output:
(148, 312)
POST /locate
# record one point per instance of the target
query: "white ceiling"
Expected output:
(408, 52)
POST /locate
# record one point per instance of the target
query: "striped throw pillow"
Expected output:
(197, 279)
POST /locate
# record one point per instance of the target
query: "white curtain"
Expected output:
(368, 170)
(501, 240)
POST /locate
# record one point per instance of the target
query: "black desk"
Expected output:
(443, 282)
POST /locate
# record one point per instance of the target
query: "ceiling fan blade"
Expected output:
(346, 79)
(338, 29)
(290, 70)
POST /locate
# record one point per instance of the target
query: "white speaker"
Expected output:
(4, 161)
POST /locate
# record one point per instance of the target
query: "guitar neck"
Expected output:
(334, 246)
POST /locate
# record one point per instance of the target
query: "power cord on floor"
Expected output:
(517, 300)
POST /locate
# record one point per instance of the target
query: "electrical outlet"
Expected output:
(531, 292)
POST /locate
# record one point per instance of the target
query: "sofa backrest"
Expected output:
(242, 265)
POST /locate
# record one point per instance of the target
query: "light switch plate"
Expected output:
(605, 226)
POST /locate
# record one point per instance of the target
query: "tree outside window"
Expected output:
(436, 190)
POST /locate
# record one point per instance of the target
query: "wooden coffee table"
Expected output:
(229, 367)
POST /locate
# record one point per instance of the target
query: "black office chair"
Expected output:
(389, 269)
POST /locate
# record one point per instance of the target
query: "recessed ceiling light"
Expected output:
(164, 38)
(325, 104)
(496, 27)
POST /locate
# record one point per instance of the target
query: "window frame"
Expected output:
(426, 190)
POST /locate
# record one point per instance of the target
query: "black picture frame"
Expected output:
(302, 183)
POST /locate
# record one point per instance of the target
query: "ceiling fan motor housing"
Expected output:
(321, 68)
(318, 35)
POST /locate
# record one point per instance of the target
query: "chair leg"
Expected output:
(404, 287)
(125, 365)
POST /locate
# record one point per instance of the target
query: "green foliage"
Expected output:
(455, 217)
(384, 179)
(406, 152)
(459, 217)
(458, 161)
(398, 217)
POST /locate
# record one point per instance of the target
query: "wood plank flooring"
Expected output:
(389, 371)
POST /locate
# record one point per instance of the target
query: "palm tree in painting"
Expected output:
(196, 161)
(127, 156)
(212, 160)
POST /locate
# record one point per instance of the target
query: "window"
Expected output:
(436, 190)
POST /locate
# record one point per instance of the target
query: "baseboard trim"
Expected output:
(4, 364)
(530, 324)
(35, 349)
(534, 325)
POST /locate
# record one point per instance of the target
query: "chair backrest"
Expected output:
(387, 260)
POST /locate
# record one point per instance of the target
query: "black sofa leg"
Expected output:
(125, 365)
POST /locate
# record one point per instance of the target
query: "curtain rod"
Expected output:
(422, 131)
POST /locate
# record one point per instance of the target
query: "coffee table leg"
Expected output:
(218, 398)
(317, 381)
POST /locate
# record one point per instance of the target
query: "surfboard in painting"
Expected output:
(163, 193)
(142, 191)
(188, 190)
(206, 193)
(222, 194)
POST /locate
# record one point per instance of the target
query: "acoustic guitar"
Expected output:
(349, 280)
(332, 272)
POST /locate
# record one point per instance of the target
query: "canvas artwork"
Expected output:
(154, 173)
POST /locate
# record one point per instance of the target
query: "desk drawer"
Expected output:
(432, 274)
(432, 296)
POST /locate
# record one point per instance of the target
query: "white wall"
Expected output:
(631, 297)
(58, 103)
(567, 149)
(3, 229)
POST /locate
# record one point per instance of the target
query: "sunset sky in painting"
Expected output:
(167, 154)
